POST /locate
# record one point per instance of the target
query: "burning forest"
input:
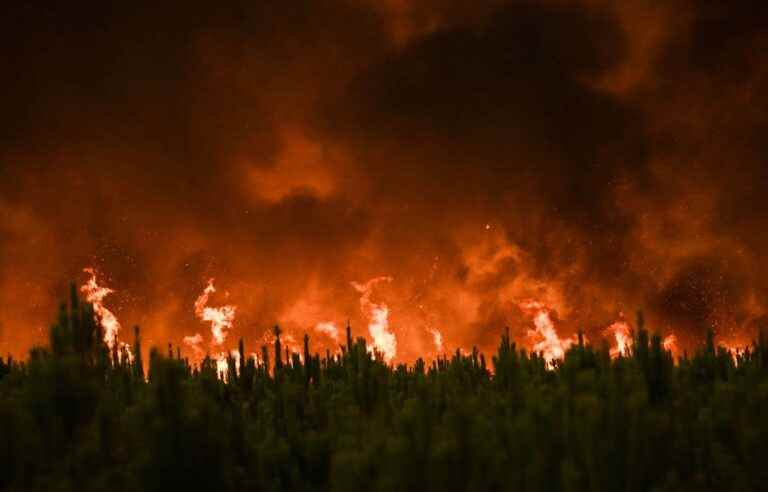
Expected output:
(399, 244)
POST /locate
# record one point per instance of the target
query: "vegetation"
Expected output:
(74, 417)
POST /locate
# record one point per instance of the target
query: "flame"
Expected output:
(292, 345)
(95, 294)
(622, 333)
(222, 367)
(222, 363)
(437, 337)
(734, 348)
(378, 315)
(125, 349)
(195, 342)
(287, 340)
(551, 346)
(221, 318)
(328, 328)
(670, 343)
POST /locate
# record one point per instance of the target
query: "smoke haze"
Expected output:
(598, 157)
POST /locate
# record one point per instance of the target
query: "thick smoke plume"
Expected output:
(596, 157)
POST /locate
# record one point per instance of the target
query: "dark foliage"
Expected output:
(76, 417)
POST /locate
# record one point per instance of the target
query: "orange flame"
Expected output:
(328, 328)
(550, 345)
(125, 348)
(670, 343)
(95, 294)
(222, 363)
(221, 318)
(222, 367)
(378, 314)
(622, 333)
(195, 342)
(437, 337)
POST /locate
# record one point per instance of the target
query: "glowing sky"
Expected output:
(595, 156)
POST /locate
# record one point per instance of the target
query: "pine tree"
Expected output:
(138, 364)
(278, 351)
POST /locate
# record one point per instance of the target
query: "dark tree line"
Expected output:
(76, 416)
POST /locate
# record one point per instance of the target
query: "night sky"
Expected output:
(599, 157)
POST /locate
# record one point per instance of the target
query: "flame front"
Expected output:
(222, 363)
(95, 294)
(437, 338)
(550, 345)
(623, 334)
(378, 318)
(221, 318)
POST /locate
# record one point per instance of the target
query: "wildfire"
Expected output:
(221, 318)
(95, 294)
(195, 342)
(551, 346)
(734, 348)
(546, 340)
(328, 328)
(378, 315)
(222, 363)
(288, 342)
(437, 337)
(125, 353)
(623, 334)
(670, 343)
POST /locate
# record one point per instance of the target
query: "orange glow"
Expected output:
(378, 318)
(221, 318)
(549, 344)
(328, 328)
(670, 343)
(195, 343)
(222, 367)
(623, 336)
(95, 294)
(437, 337)
(397, 137)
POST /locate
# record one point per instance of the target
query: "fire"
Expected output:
(437, 337)
(734, 348)
(222, 363)
(95, 294)
(551, 346)
(287, 340)
(328, 328)
(378, 314)
(195, 342)
(623, 335)
(546, 340)
(222, 367)
(293, 346)
(125, 349)
(670, 343)
(221, 318)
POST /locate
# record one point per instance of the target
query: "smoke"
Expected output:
(594, 156)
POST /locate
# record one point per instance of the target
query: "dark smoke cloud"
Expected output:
(598, 157)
